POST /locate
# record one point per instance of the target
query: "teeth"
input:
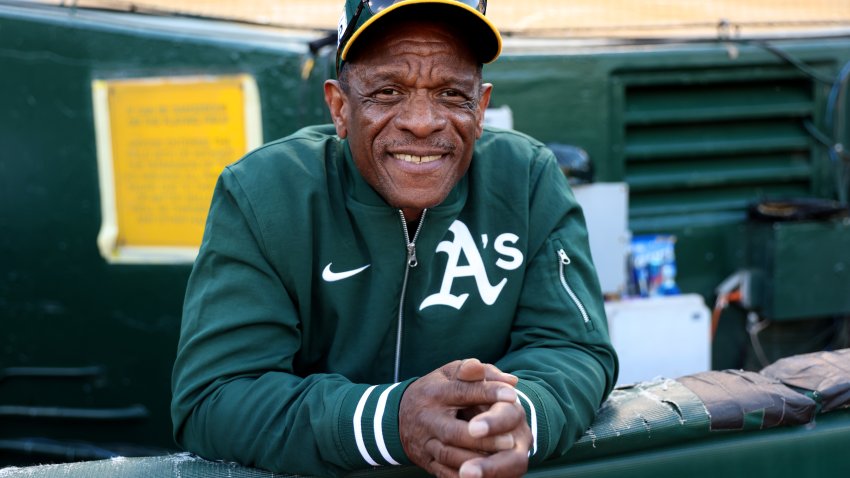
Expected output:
(409, 158)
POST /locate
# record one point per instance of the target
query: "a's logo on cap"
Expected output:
(340, 28)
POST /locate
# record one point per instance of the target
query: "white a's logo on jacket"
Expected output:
(463, 243)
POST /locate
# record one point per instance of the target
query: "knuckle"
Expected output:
(457, 393)
(518, 411)
(459, 389)
(443, 454)
(450, 369)
(438, 452)
(434, 468)
(514, 411)
(503, 418)
(445, 430)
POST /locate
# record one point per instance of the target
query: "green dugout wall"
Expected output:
(86, 346)
(698, 130)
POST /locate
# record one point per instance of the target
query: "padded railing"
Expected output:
(792, 419)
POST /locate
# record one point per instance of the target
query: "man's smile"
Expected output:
(410, 158)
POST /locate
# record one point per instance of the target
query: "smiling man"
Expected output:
(404, 286)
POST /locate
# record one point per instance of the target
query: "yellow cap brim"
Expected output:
(488, 58)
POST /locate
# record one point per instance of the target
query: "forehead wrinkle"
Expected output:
(421, 46)
(411, 68)
(410, 71)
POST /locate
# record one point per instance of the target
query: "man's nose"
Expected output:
(421, 115)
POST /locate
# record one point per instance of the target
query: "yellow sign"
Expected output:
(162, 143)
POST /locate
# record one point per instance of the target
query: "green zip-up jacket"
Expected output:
(311, 307)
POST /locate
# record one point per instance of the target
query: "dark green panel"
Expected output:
(718, 172)
(556, 98)
(663, 206)
(668, 103)
(803, 269)
(691, 139)
(63, 309)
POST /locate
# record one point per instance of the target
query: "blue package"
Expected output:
(652, 266)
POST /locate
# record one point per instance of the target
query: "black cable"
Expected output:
(834, 120)
(797, 63)
(817, 134)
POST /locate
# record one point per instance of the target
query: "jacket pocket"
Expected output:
(565, 267)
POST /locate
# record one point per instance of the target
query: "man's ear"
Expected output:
(486, 89)
(338, 106)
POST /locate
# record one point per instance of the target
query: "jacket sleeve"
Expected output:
(559, 345)
(235, 394)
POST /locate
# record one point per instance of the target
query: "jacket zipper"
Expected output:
(563, 261)
(411, 262)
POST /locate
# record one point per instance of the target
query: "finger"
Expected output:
(493, 374)
(471, 370)
(448, 455)
(505, 464)
(442, 471)
(461, 394)
(448, 431)
(495, 443)
(502, 417)
(454, 433)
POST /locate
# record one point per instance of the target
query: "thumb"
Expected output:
(471, 370)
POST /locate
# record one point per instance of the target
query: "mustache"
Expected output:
(436, 144)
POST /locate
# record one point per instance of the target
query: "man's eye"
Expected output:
(388, 92)
(454, 97)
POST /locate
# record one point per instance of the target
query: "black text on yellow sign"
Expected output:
(162, 143)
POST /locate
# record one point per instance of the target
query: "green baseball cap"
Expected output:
(360, 15)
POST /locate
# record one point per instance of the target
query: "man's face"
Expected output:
(412, 111)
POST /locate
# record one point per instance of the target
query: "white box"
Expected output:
(667, 336)
(606, 211)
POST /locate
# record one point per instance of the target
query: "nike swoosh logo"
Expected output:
(330, 276)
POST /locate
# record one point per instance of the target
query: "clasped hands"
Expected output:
(463, 420)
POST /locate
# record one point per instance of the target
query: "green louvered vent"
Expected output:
(699, 147)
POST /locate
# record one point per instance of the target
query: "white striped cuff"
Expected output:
(531, 415)
(374, 425)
